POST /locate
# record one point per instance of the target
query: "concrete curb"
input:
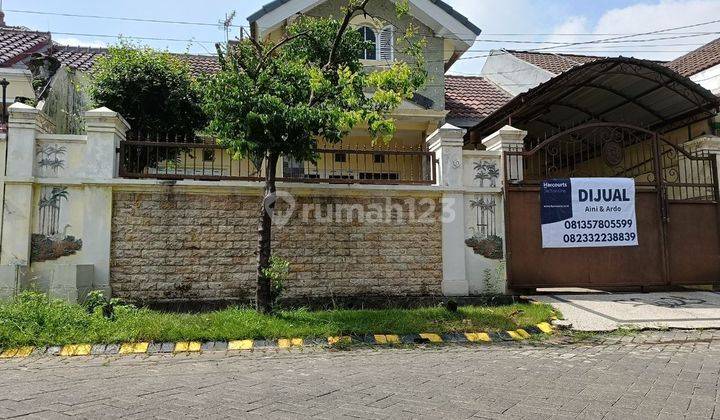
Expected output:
(187, 347)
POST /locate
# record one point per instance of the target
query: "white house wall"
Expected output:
(709, 79)
(513, 75)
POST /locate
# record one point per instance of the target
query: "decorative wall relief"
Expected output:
(487, 170)
(51, 159)
(53, 239)
(484, 240)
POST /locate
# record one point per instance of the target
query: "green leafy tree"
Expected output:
(277, 98)
(153, 90)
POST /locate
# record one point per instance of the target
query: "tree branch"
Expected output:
(343, 28)
(285, 41)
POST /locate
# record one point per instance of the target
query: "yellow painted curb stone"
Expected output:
(286, 343)
(67, 350)
(241, 345)
(522, 333)
(387, 339)
(82, 350)
(17, 352)
(187, 346)
(545, 327)
(475, 337)
(433, 338)
(134, 348)
(335, 340)
(514, 335)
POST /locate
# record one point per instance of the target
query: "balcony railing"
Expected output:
(176, 158)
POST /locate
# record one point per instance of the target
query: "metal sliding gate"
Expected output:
(677, 206)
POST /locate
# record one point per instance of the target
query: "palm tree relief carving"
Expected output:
(53, 241)
(51, 157)
(486, 170)
(484, 240)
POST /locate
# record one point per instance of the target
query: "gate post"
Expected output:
(508, 139)
(447, 143)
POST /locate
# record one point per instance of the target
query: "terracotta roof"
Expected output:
(472, 97)
(696, 61)
(77, 57)
(84, 58)
(552, 62)
(17, 44)
(200, 64)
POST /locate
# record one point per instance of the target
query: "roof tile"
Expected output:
(472, 97)
(82, 58)
(17, 44)
(552, 62)
(698, 60)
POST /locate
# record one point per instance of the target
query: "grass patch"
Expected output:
(33, 319)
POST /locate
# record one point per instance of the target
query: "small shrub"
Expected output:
(277, 273)
(96, 302)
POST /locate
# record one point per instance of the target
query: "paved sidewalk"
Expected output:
(659, 374)
(610, 311)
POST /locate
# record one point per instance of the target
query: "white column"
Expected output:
(25, 123)
(447, 143)
(105, 129)
(508, 139)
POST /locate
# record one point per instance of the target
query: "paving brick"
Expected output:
(505, 380)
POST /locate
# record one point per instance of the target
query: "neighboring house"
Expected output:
(17, 44)
(702, 66)
(508, 73)
(39, 69)
(518, 71)
(470, 99)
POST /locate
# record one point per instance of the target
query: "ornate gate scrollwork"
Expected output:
(619, 150)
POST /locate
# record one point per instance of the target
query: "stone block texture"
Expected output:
(201, 247)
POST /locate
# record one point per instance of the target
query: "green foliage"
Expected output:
(278, 98)
(96, 302)
(153, 90)
(35, 319)
(277, 273)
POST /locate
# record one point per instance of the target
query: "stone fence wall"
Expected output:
(168, 245)
(70, 224)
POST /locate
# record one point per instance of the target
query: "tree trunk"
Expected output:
(264, 304)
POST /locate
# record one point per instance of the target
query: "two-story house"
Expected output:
(448, 34)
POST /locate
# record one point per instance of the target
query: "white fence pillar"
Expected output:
(447, 143)
(24, 125)
(508, 139)
(105, 129)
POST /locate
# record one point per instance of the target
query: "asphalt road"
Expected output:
(666, 375)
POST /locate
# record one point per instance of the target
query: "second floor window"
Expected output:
(370, 53)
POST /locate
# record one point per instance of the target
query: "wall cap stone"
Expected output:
(505, 136)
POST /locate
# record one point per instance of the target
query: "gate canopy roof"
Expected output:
(627, 90)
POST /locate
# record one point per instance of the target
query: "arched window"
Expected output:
(369, 36)
(386, 41)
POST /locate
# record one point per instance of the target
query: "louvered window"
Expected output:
(386, 49)
(369, 36)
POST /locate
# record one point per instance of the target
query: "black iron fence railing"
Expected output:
(176, 158)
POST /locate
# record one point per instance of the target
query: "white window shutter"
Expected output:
(386, 44)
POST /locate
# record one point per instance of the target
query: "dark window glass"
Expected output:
(369, 36)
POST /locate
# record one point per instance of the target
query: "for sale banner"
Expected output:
(588, 213)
